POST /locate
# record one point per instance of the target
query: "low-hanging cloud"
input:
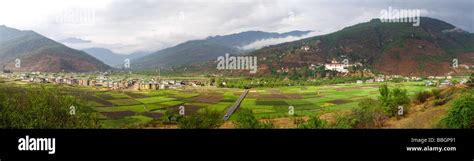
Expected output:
(273, 41)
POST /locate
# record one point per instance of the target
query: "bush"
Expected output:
(368, 115)
(42, 108)
(343, 122)
(206, 119)
(422, 96)
(267, 125)
(313, 123)
(462, 113)
(436, 93)
(246, 120)
(368, 103)
(441, 101)
(391, 99)
(170, 116)
(470, 82)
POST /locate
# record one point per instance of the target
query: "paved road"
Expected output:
(236, 105)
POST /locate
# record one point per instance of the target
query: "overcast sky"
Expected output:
(127, 26)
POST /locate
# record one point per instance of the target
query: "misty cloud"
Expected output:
(273, 41)
(74, 40)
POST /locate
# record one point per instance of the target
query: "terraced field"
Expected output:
(119, 109)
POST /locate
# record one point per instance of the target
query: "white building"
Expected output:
(305, 48)
(336, 66)
(379, 79)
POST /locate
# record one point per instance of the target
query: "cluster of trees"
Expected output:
(370, 114)
(205, 119)
(305, 72)
(245, 119)
(249, 82)
(317, 72)
(423, 96)
(43, 107)
(391, 99)
(313, 122)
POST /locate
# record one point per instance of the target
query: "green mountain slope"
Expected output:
(197, 51)
(38, 53)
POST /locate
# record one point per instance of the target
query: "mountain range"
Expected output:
(111, 58)
(197, 51)
(387, 48)
(34, 52)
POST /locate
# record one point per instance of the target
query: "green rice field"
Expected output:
(121, 108)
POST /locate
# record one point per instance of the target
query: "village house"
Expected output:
(463, 81)
(58, 80)
(416, 78)
(84, 82)
(312, 67)
(305, 48)
(38, 80)
(445, 83)
(283, 70)
(429, 83)
(164, 86)
(109, 84)
(379, 79)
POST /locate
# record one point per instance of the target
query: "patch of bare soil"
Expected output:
(339, 101)
(163, 126)
(189, 109)
(420, 116)
(253, 95)
(294, 95)
(227, 125)
(118, 114)
(272, 96)
(284, 123)
(332, 116)
(209, 98)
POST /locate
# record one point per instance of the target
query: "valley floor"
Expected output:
(144, 109)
